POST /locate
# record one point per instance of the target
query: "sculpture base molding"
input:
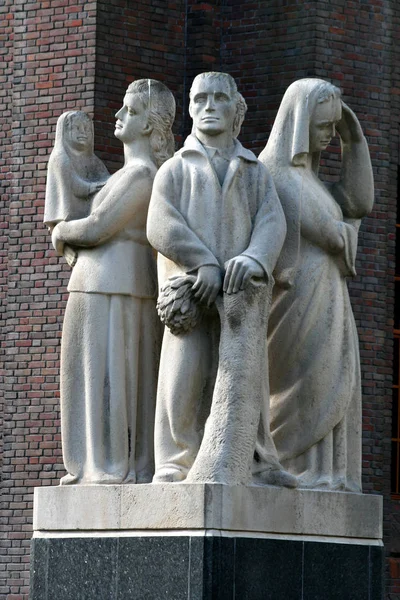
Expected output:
(118, 542)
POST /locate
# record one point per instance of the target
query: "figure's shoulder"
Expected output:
(258, 169)
(170, 169)
(59, 160)
(290, 182)
(135, 179)
(138, 169)
(172, 163)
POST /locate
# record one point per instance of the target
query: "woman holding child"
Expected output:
(111, 333)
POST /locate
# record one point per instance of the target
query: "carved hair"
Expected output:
(241, 106)
(327, 91)
(160, 103)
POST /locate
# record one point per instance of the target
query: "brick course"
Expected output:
(52, 69)
(62, 54)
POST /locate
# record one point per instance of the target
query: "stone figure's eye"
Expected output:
(131, 112)
(221, 97)
(324, 125)
(199, 98)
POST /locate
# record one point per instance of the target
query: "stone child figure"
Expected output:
(74, 173)
(217, 223)
(111, 334)
(313, 350)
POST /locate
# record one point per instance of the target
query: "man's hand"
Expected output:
(239, 271)
(207, 284)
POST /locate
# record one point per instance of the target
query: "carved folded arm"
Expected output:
(320, 228)
(82, 188)
(168, 231)
(127, 197)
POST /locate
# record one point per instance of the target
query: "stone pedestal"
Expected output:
(194, 542)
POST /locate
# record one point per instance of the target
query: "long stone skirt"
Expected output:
(109, 361)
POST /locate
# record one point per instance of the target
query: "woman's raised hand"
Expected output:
(349, 127)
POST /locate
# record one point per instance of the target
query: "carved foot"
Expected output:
(145, 476)
(352, 487)
(69, 479)
(168, 475)
(103, 479)
(338, 484)
(277, 477)
(131, 477)
(318, 484)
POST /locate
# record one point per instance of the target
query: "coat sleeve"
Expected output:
(167, 229)
(269, 228)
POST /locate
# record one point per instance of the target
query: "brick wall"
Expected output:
(358, 43)
(62, 54)
(354, 44)
(266, 46)
(6, 56)
(53, 45)
(134, 41)
(52, 70)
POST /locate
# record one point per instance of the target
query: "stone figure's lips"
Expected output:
(118, 125)
(210, 119)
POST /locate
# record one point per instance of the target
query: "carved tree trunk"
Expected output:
(227, 449)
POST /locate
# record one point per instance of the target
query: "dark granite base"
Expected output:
(203, 568)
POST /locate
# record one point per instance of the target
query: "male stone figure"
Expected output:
(215, 219)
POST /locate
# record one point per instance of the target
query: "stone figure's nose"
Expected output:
(210, 104)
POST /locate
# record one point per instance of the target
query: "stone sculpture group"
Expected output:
(257, 379)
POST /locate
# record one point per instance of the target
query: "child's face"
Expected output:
(79, 133)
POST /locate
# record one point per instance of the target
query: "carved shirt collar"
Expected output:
(192, 144)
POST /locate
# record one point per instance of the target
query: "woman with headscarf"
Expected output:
(111, 333)
(74, 173)
(314, 363)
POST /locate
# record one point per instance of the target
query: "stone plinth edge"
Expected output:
(207, 506)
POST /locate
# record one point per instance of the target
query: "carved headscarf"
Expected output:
(287, 149)
(65, 168)
(289, 142)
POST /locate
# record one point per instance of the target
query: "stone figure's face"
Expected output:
(132, 119)
(322, 124)
(79, 133)
(212, 106)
